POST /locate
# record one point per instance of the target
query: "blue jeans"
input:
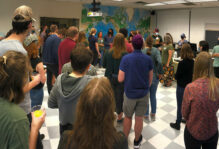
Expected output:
(179, 99)
(101, 59)
(36, 96)
(153, 99)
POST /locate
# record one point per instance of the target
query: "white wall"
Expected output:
(176, 22)
(41, 8)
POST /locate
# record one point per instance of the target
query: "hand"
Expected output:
(36, 78)
(37, 122)
(167, 65)
(99, 55)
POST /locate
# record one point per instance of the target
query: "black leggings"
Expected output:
(192, 143)
(118, 92)
(216, 71)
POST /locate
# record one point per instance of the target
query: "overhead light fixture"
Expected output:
(175, 2)
(117, 0)
(155, 4)
(199, 1)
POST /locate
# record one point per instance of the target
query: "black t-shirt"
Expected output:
(34, 62)
(184, 72)
(92, 43)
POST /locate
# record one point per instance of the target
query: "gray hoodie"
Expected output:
(65, 94)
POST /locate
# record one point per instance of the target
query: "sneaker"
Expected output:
(175, 126)
(153, 117)
(137, 144)
(42, 136)
(183, 121)
(146, 117)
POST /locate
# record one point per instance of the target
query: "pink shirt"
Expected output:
(129, 47)
(199, 110)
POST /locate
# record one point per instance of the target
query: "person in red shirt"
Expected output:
(200, 106)
(67, 45)
(129, 47)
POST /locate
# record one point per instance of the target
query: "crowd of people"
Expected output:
(90, 107)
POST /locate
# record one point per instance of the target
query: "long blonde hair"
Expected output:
(203, 68)
(118, 45)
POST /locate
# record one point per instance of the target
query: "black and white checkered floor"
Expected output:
(157, 134)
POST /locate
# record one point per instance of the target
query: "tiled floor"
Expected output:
(157, 134)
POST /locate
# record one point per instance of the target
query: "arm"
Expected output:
(121, 76)
(159, 63)
(215, 55)
(170, 53)
(53, 97)
(32, 84)
(40, 69)
(150, 77)
(179, 71)
(56, 48)
(35, 127)
(186, 104)
(97, 48)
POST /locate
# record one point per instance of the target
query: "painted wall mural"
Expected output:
(116, 18)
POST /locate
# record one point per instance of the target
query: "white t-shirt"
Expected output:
(15, 45)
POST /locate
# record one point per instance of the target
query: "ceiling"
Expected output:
(141, 3)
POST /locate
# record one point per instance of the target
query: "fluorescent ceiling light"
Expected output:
(155, 4)
(175, 2)
(118, 0)
(194, 1)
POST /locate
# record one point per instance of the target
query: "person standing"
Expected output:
(215, 54)
(93, 45)
(111, 62)
(200, 105)
(167, 53)
(108, 40)
(136, 71)
(21, 27)
(129, 47)
(183, 76)
(16, 131)
(154, 53)
(182, 41)
(82, 40)
(50, 55)
(68, 87)
(66, 46)
(31, 44)
(101, 47)
(157, 38)
(94, 126)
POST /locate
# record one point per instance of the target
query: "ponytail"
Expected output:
(3, 73)
(149, 43)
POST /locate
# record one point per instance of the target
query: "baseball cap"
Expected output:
(183, 35)
(137, 42)
(25, 12)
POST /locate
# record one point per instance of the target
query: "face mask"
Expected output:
(156, 33)
(199, 49)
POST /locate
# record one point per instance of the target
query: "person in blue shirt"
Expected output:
(183, 40)
(93, 45)
(50, 55)
(136, 70)
(108, 39)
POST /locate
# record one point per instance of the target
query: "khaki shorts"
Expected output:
(137, 106)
